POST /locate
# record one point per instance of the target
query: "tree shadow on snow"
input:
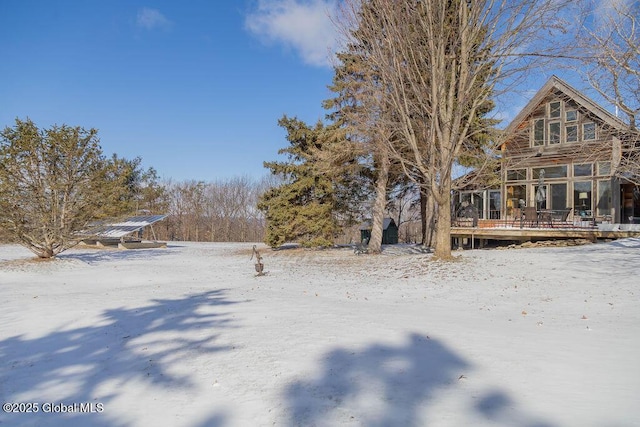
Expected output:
(385, 385)
(497, 407)
(140, 346)
(95, 256)
(590, 259)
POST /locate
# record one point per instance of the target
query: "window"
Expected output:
(538, 132)
(554, 133)
(604, 168)
(515, 193)
(465, 197)
(571, 116)
(471, 202)
(540, 195)
(558, 196)
(588, 131)
(494, 204)
(582, 198)
(551, 172)
(604, 198)
(554, 109)
(583, 170)
(572, 133)
(516, 175)
(478, 202)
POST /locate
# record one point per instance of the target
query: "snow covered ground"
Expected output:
(188, 336)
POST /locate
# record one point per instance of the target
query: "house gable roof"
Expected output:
(557, 83)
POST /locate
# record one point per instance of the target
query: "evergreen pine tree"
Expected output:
(305, 208)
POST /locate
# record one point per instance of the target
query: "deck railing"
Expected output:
(570, 223)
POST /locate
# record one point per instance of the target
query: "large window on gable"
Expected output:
(554, 133)
(588, 131)
(571, 133)
(554, 109)
(538, 132)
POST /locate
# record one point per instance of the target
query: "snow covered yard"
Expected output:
(188, 336)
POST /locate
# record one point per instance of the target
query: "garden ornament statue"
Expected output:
(259, 265)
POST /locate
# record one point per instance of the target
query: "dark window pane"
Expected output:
(583, 170)
(551, 172)
(538, 132)
(494, 205)
(516, 174)
(582, 198)
(558, 196)
(604, 168)
(554, 133)
(604, 197)
(588, 131)
(541, 197)
(478, 202)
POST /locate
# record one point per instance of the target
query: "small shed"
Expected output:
(389, 232)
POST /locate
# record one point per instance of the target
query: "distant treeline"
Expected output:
(225, 210)
(219, 211)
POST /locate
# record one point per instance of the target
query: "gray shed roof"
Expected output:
(386, 222)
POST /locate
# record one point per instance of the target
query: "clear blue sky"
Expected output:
(195, 88)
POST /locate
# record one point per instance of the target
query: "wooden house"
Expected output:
(561, 152)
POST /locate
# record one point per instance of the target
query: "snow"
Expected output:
(189, 336)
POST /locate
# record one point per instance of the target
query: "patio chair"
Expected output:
(530, 215)
(546, 217)
(517, 215)
(565, 215)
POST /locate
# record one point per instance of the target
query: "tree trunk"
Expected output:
(423, 216)
(428, 212)
(375, 243)
(443, 228)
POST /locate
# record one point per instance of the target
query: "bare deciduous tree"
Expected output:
(439, 63)
(218, 211)
(231, 210)
(609, 47)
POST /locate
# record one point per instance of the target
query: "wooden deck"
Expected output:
(509, 230)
